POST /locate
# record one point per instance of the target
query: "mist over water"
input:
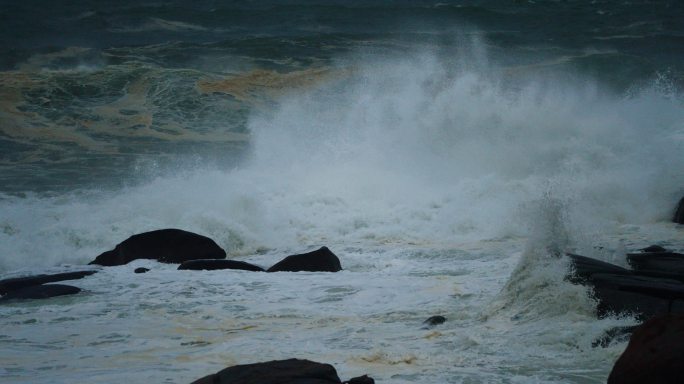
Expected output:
(408, 150)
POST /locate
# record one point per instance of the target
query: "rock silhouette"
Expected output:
(16, 283)
(213, 264)
(292, 371)
(164, 245)
(40, 292)
(320, 260)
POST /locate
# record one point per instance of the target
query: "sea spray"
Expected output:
(403, 151)
(537, 288)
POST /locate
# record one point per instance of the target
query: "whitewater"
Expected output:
(445, 184)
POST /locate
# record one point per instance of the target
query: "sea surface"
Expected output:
(449, 152)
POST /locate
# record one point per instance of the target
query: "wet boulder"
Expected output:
(164, 245)
(679, 212)
(660, 262)
(320, 260)
(644, 296)
(40, 292)
(292, 371)
(583, 268)
(213, 264)
(655, 353)
(141, 270)
(17, 283)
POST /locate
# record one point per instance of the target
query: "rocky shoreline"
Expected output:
(652, 291)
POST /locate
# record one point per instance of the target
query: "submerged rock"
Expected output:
(164, 245)
(16, 283)
(434, 320)
(212, 264)
(655, 353)
(292, 371)
(141, 270)
(320, 260)
(40, 292)
(679, 212)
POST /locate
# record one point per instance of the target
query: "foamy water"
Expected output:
(444, 187)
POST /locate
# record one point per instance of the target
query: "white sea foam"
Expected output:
(442, 187)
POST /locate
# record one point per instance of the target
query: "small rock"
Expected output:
(141, 270)
(434, 320)
(360, 380)
(320, 260)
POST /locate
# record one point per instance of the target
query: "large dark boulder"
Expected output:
(213, 264)
(655, 353)
(292, 371)
(164, 245)
(679, 212)
(320, 260)
(40, 292)
(645, 296)
(12, 284)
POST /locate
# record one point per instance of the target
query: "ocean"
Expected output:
(449, 153)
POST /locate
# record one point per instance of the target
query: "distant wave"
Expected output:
(158, 24)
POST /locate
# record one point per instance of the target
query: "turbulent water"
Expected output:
(447, 152)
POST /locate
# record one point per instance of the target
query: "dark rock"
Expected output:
(141, 270)
(654, 248)
(164, 245)
(663, 264)
(40, 292)
(210, 265)
(8, 285)
(292, 371)
(679, 213)
(434, 320)
(614, 335)
(360, 380)
(655, 353)
(321, 260)
(583, 268)
(644, 296)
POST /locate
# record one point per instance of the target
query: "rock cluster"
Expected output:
(190, 250)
